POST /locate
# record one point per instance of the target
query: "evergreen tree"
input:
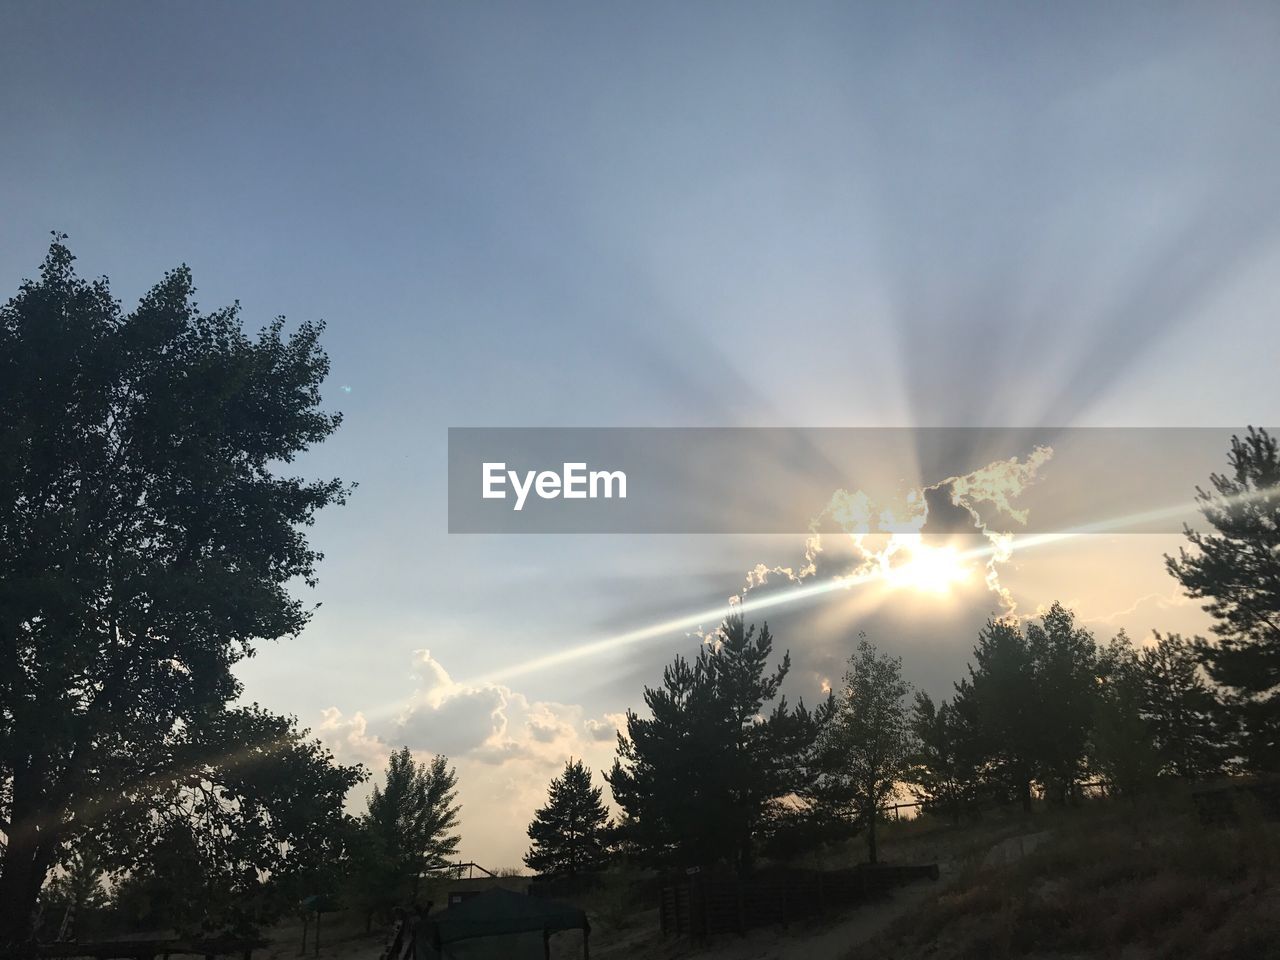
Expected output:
(1031, 698)
(944, 775)
(999, 697)
(700, 780)
(1237, 571)
(1064, 669)
(1185, 717)
(570, 835)
(1157, 715)
(868, 746)
(1122, 747)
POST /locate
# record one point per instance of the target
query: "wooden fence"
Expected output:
(701, 906)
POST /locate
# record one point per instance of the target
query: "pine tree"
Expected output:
(1184, 714)
(1122, 749)
(944, 774)
(701, 779)
(1237, 571)
(1064, 667)
(999, 697)
(570, 835)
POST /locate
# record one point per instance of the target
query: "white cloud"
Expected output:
(505, 747)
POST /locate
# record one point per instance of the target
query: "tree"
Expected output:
(1186, 720)
(701, 779)
(1122, 748)
(71, 900)
(1031, 697)
(944, 772)
(869, 745)
(1064, 668)
(570, 834)
(409, 829)
(1157, 716)
(1237, 571)
(1000, 698)
(147, 544)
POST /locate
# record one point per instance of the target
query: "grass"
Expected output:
(1115, 879)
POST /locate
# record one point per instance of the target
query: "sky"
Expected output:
(732, 214)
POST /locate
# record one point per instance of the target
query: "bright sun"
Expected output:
(910, 563)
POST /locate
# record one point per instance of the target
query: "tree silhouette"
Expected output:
(1064, 664)
(1123, 750)
(1030, 700)
(1187, 723)
(1000, 696)
(868, 747)
(570, 834)
(146, 545)
(700, 780)
(944, 774)
(409, 830)
(1157, 716)
(1237, 571)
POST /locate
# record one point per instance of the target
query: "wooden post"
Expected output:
(317, 933)
(546, 944)
(306, 921)
(586, 943)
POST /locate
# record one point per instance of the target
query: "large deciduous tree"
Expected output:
(409, 831)
(1236, 570)
(149, 532)
(570, 835)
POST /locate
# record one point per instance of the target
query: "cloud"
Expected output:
(855, 538)
(504, 746)
(605, 730)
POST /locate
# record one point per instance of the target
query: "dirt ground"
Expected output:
(830, 939)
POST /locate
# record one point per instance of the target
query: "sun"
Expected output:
(909, 563)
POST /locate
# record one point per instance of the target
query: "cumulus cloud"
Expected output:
(606, 729)
(505, 747)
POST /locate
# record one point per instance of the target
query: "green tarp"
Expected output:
(496, 913)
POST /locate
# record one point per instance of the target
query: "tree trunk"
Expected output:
(871, 837)
(1026, 796)
(26, 863)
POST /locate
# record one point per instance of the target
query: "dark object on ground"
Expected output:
(136, 949)
(702, 906)
(516, 926)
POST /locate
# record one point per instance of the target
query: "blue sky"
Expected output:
(662, 214)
